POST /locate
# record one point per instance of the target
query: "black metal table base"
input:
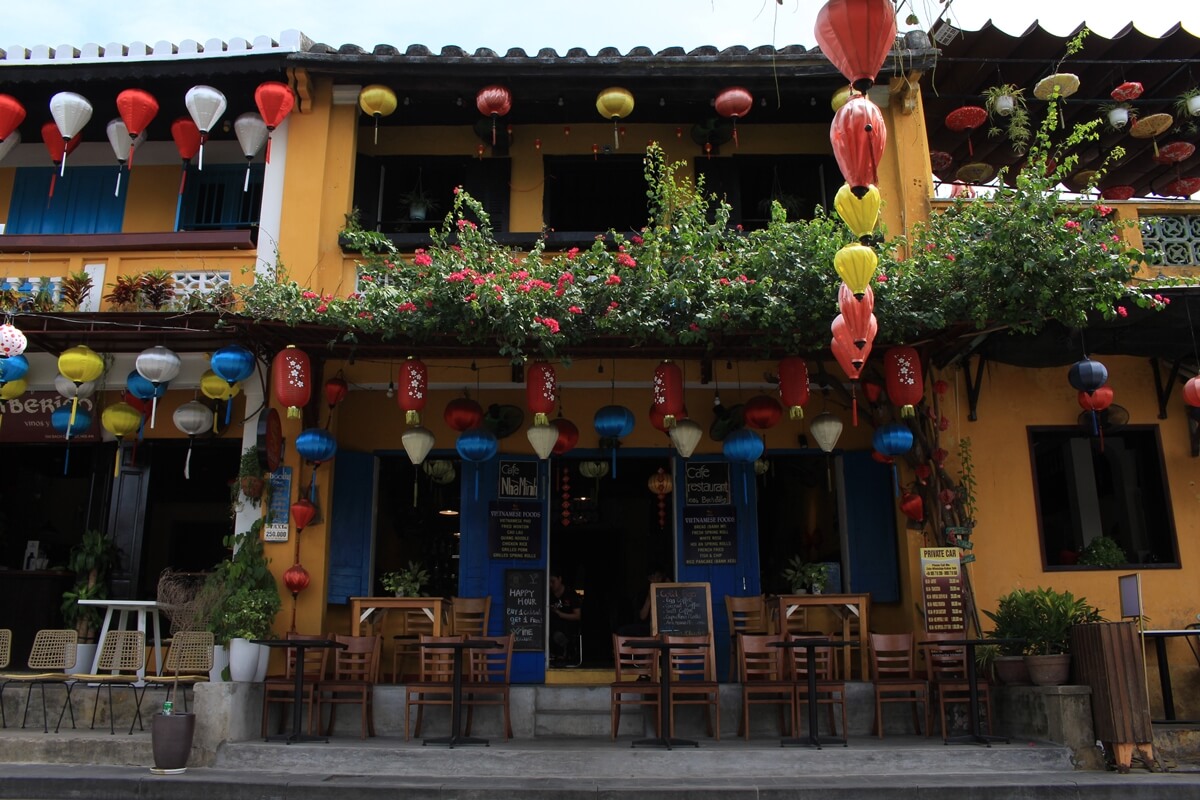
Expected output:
(455, 738)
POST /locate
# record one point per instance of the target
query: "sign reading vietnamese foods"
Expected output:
(515, 530)
(27, 419)
(709, 535)
(518, 480)
(276, 529)
(706, 483)
(942, 583)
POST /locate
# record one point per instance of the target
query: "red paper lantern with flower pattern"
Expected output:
(414, 390)
(541, 391)
(668, 392)
(291, 378)
(905, 383)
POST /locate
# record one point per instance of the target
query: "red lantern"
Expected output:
(493, 101)
(58, 148)
(858, 136)
(1101, 399)
(735, 102)
(291, 378)
(668, 392)
(462, 414)
(762, 412)
(1191, 392)
(568, 436)
(873, 391)
(187, 142)
(848, 358)
(793, 385)
(137, 108)
(858, 313)
(913, 506)
(541, 391)
(414, 390)
(12, 114)
(296, 578)
(856, 35)
(905, 383)
(841, 330)
(336, 390)
(303, 512)
(275, 101)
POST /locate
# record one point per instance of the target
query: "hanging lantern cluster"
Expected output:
(661, 485)
(856, 36)
(1089, 378)
(231, 365)
(80, 364)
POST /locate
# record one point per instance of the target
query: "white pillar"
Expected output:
(271, 211)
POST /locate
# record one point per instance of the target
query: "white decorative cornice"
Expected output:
(291, 41)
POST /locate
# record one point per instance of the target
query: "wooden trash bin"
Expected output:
(1108, 657)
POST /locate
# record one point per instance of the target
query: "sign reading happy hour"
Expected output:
(942, 584)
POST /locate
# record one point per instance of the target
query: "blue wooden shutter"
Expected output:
(83, 201)
(871, 527)
(352, 527)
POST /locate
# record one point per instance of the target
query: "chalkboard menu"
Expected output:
(515, 530)
(706, 483)
(682, 609)
(525, 608)
(709, 535)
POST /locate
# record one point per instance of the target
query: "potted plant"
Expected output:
(250, 483)
(248, 600)
(1188, 103)
(406, 582)
(805, 576)
(249, 613)
(1117, 115)
(90, 559)
(1011, 623)
(419, 204)
(1009, 113)
(1103, 551)
(1049, 617)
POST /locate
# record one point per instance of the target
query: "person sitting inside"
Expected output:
(566, 612)
(656, 574)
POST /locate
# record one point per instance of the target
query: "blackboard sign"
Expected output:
(525, 608)
(683, 609)
(709, 535)
(514, 530)
(706, 483)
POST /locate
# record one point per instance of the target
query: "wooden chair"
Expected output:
(122, 656)
(407, 645)
(831, 690)
(469, 616)
(189, 661)
(745, 615)
(893, 669)
(694, 681)
(487, 682)
(946, 668)
(435, 683)
(5, 657)
(51, 657)
(281, 689)
(765, 679)
(355, 673)
(636, 681)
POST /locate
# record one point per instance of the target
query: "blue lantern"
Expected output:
(143, 389)
(13, 368)
(612, 424)
(316, 446)
(62, 422)
(893, 439)
(1087, 375)
(233, 363)
(743, 446)
(477, 445)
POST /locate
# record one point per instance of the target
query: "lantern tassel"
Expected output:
(200, 158)
(131, 155)
(62, 167)
(182, 178)
(312, 485)
(616, 136)
(477, 483)
(187, 461)
(494, 130)
(50, 196)
(74, 406)
(294, 597)
(153, 406)
(117, 461)
(67, 459)
(268, 156)
(416, 486)
(246, 182)
(376, 129)
(229, 411)
(735, 139)
(117, 191)
(895, 479)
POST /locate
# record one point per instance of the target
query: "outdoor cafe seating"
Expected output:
(355, 673)
(280, 689)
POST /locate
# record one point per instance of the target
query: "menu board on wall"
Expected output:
(276, 529)
(525, 608)
(515, 530)
(942, 584)
(709, 535)
(706, 483)
(681, 609)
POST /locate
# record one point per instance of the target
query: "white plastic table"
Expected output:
(144, 608)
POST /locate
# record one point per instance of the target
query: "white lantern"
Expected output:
(118, 138)
(417, 441)
(205, 105)
(193, 419)
(71, 390)
(157, 365)
(543, 438)
(251, 135)
(71, 112)
(685, 436)
(12, 341)
(826, 429)
(8, 143)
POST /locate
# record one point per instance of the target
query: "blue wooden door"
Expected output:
(352, 526)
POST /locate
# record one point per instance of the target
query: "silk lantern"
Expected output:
(71, 113)
(1096, 402)
(187, 142)
(668, 392)
(58, 148)
(493, 101)
(856, 36)
(71, 390)
(734, 102)
(477, 446)
(291, 379)
(137, 108)
(8, 143)
(296, 579)
(1191, 392)
(303, 512)
(275, 101)
(855, 264)
(193, 419)
(69, 424)
(121, 420)
(905, 383)
(613, 423)
(214, 387)
(568, 436)
(745, 447)
(205, 105)
(762, 412)
(122, 146)
(12, 114)
(233, 364)
(463, 413)
(251, 134)
(660, 485)
(861, 214)
(615, 103)
(793, 385)
(418, 441)
(858, 311)
(12, 341)
(336, 390)
(379, 101)
(913, 506)
(159, 366)
(893, 440)
(858, 136)
(316, 446)
(414, 390)
(11, 390)
(80, 364)
(543, 438)
(685, 436)
(1087, 375)
(13, 368)
(859, 348)
(541, 391)
(826, 428)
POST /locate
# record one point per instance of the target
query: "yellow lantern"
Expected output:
(840, 97)
(214, 387)
(856, 263)
(79, 364)
(11, 390)
(860, 216)
(378, 101)
(615, 103)
(121, 420)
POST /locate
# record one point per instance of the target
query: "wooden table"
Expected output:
(299, 645)
(1164, 670)
(972, 678)
(362, 607)
(664, 738)
(456, 738)
(144, 609)
(814, 738)
(845, 607)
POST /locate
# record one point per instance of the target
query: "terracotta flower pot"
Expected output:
(252, 487)
(1052, 670)
(1011, 670)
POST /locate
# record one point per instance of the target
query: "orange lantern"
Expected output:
(858, 136)
(856, 35)
(734, 102)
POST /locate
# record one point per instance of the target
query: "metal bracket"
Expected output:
(973, 384)
(1163, 391)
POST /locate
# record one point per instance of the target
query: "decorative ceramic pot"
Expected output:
(220, 662)
(1004, 105)
(1052, 670)
(1011, 670)
(243, 660)
(171, 739)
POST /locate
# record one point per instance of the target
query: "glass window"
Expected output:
(594, 194)
(1087, 486)
(411, 194)
(749, 183)
(218, 198)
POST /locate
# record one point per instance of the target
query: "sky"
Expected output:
(534, 24)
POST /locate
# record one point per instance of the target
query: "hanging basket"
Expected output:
(252, 487)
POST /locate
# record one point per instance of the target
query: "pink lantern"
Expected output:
(857, 35)
(735, 102)
(858, 136)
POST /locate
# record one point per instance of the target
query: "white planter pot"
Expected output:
(1004, 105)
(264, 661)
(1118, 118)
(243, 660)
(220, 662)
(85, 654)
(1193, 105)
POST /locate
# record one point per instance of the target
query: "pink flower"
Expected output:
(422, 259)
(1121, 312)
(540, 284)
(388, 264)
(1071, 225)
(1103, 210)
(572, 253)
(409, 306)
(636, 239)
(881, 278)
(1103, 247)
(1116, 238)
(723, 281)
(309, 295)
(365, 315)
(457, 189)
(519, 275)
(321, 309)
(429, 304)
(613, 280)
(739, 227)
(613, 305)
(693, 326)
(456, 277)
(626, 260)
(1166, 301)
(368, 279)
(951, 257)
(575, 310)
(930, 246)
(470, 297)
(550, 323)
(1158, 298)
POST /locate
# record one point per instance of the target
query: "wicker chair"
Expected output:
(52, 655)
(122, 656)
(189, 661)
